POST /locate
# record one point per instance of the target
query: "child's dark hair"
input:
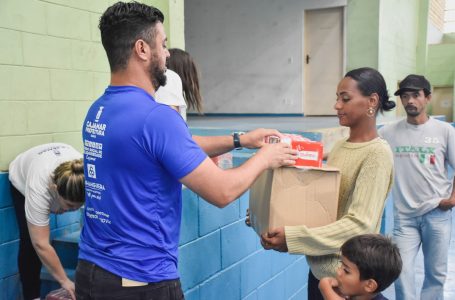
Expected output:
(370, 81)
(376, 257)
(122, 25)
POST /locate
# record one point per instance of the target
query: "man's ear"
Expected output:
(141, 49)
(370, 286)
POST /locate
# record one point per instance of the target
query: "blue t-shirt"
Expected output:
(135, 152)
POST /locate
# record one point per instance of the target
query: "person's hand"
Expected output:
(256, 138)
(275, 239)
(247, 219)
(328, 282)
(329, 289)
(446, 204)
(68, 285)
(277, 155)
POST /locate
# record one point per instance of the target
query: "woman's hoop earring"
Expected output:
(371, 112)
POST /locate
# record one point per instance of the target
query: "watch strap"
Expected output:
(236, 138)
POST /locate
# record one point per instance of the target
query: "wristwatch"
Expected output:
(236, 137)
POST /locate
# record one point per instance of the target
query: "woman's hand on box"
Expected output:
(275, 239)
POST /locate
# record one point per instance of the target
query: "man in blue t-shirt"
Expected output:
(137, 154)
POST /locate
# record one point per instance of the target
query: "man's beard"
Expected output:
(412, 111)
(157, 75)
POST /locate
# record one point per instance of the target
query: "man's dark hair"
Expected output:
(121, 25)
(376, 257)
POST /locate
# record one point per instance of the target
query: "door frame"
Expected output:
(344, 48)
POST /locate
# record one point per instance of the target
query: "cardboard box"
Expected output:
(294, 196)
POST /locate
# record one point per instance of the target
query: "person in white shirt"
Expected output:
(172, 93)
(44, 179)
(184, 65)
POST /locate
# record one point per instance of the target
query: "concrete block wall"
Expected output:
(221, 258)
(53, 66)
(9, 239)
(9, 235)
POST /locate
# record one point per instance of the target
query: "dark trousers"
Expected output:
(95, 283)
(313, 288)
(28, 261)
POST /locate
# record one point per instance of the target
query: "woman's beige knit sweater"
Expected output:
(366, 179)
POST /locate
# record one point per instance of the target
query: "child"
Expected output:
(369, 264)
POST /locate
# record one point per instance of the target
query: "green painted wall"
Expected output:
(399, 40)
(441, 64)
(362, 34)
(422, 36)
(453, 106)
(176, 24)
(173, 11)
(389, 35)
(52, 67)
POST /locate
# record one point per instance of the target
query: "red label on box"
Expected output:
(310, 153)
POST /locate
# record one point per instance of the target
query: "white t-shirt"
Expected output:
(30, 172)
(172, 93)
(422, 154)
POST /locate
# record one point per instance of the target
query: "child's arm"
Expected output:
(329, 289)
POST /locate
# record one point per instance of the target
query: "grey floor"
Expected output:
(286, 124)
